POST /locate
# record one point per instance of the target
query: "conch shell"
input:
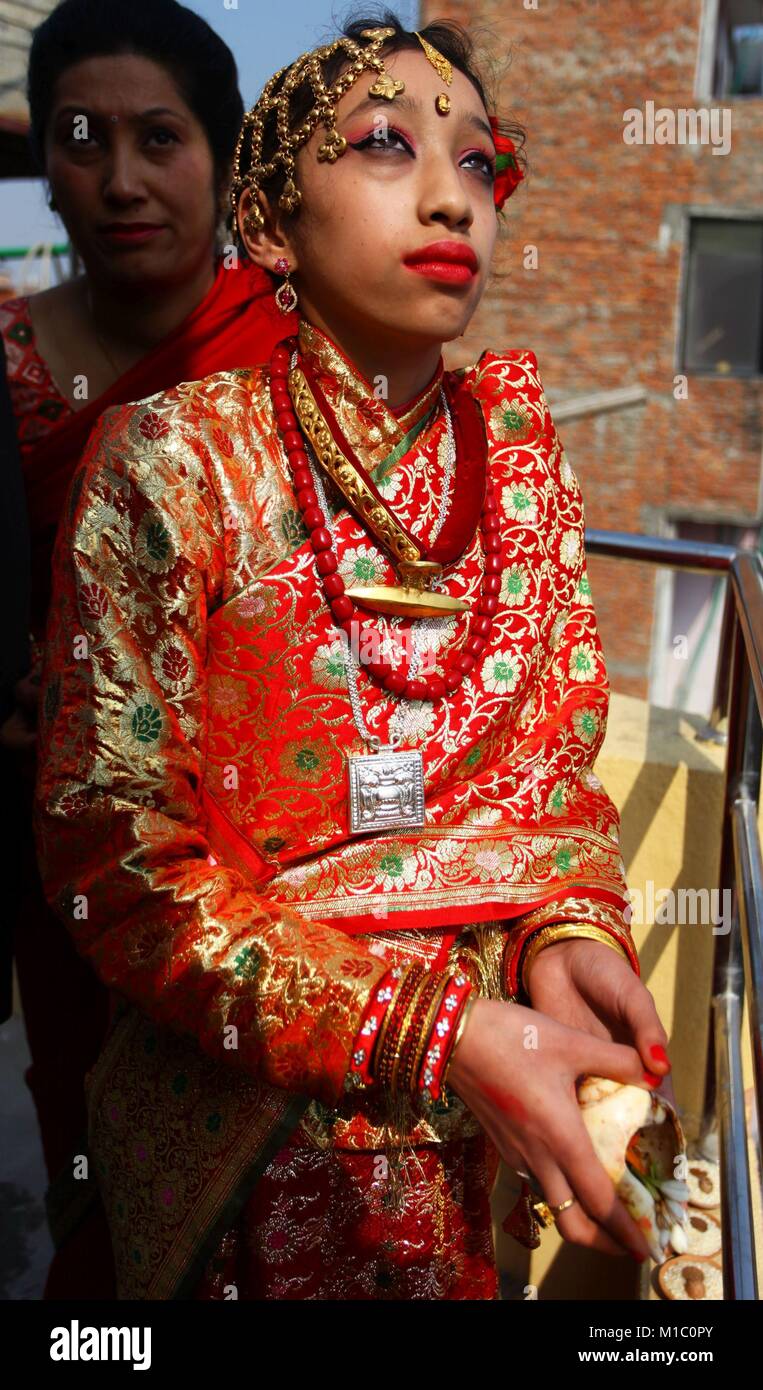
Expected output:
(637, 1136)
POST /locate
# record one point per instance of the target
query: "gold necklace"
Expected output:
(411, 599)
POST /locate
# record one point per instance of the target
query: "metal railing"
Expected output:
(738, 959)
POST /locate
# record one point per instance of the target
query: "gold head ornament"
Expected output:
(277, 95)
(442, 66)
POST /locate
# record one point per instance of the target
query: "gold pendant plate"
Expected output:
(410, 602)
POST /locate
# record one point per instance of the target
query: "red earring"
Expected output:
(286, 297)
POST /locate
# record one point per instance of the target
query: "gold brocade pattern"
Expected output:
(191, 809)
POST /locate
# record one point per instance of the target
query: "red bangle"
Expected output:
(441, 1037)
(370, 1026)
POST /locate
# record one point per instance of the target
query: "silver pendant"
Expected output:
(386, 789)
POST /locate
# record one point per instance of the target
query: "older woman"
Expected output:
(135, 111)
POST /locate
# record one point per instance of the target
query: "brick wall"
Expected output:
(602, 310)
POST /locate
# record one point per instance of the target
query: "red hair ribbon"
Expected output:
(508, 172)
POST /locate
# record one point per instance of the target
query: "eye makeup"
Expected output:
(374, 139)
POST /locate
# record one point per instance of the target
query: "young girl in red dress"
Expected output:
(321, 707)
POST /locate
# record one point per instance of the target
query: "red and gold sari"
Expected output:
(193, 829)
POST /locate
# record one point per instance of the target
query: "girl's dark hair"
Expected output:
(447, 36)
(201, 65)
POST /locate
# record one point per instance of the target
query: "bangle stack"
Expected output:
(444, 1035)
(408, 1031)
(371, 1026)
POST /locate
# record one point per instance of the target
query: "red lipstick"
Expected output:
(452, 262)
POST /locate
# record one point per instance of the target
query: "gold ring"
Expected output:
(547, 1213)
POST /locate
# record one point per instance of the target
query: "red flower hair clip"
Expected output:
(507, 170)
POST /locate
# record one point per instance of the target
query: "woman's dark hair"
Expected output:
(447, 36)
(180, 41)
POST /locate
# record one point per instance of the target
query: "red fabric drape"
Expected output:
(236, 324)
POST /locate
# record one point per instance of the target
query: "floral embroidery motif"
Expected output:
(556, 803)
(501, 672)
(519, 503)
(304, 759)
(583, 591)
(514, 585)
(569, 549)
(566, 474)
(585, 722)
(359, 565)
(173, 666)
(146, 723)
(509, 422)
(582, 665)
(246, 963)
(152, 426)
(94, 602)
(327, 666)
(154, 549)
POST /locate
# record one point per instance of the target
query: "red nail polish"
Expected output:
(660, 1055)
(651, 1079)
(638, 1256)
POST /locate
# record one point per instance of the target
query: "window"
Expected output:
(739, 49)
(686, 640)
(723, 297)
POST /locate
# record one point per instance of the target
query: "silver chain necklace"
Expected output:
(386, 787)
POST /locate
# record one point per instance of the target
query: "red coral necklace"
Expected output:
(388, 675)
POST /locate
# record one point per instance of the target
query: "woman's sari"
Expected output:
(192, 809)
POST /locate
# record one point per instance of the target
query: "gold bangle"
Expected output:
(379, 1046)
(563, 931)
(427, 1028)
(410, 1011)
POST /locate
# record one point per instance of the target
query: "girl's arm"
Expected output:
(121, 839)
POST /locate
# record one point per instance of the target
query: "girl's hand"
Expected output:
(516, 1070)
(589, 986)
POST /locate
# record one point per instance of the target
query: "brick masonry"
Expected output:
(602, 311)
